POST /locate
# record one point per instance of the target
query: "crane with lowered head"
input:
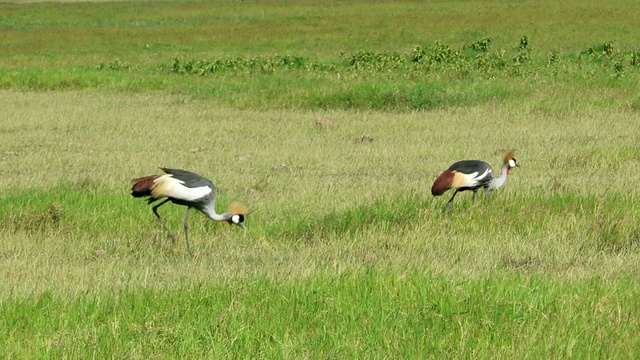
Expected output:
(188, 189)
(472, 175)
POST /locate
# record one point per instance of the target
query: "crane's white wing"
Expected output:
(168, 186)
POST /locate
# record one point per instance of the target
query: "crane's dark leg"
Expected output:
(186, 230)
(450, 201)
(475, 195)
(155, 211)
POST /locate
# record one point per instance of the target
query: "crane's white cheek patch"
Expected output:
(235, 219)
(512, 163)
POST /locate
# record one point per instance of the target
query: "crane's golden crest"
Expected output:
(237, 209)
(508, 157)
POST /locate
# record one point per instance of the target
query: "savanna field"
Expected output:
(329, 121)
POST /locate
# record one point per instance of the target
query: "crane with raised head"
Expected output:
(471, 175)
(187, 189)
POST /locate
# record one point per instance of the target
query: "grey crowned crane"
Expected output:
(187, 189)
(471, 175)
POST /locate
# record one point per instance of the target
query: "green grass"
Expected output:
(552, 256)
(423, 78)
(401, 56)
(367, 313)
(345, 215)
(346, 253)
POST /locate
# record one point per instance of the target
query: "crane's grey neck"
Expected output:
(498, 182)
(210, 211)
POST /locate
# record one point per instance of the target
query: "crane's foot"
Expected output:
(189, 248)
(172, 237)
(186, 239)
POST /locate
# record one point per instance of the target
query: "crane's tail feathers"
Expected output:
(443, 183)
(142, 186)
(237, 209)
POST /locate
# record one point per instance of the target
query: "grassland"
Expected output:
(347, 254)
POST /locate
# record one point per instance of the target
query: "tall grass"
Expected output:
(366, 313)
(553, 255)
(426, 77)
(67, 176)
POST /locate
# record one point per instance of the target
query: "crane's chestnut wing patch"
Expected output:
(142, 186)
(442, 183)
